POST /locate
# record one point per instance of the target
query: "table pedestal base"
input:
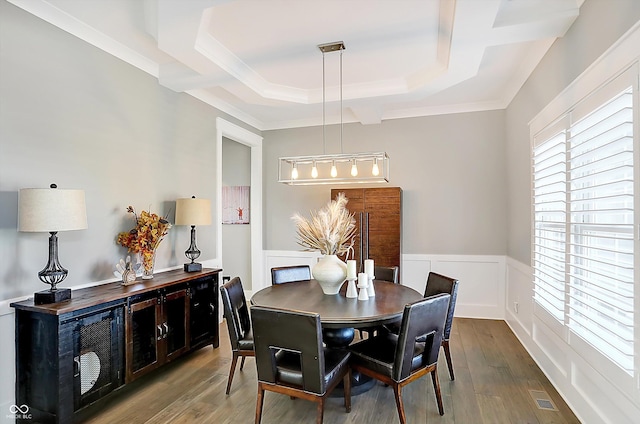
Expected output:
(340, 338)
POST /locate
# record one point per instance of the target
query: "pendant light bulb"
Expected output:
(294, 172)
(314, 170)
(334, 170)
(375, 171)
(354, 169)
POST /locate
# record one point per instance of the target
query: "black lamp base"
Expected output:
(51, 296)
(193, 267)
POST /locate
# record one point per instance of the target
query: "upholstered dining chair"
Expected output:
(236, 313)
(291, 359)
(382, 273)
(398, 360)
(289, 274)
(436, 284)
(386, 273)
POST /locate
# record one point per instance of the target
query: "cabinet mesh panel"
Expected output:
(95, 356)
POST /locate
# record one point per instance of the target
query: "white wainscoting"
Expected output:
(482, 280)
(482, 277)
(594, 397)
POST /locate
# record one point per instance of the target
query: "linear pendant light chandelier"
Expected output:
(341, 168)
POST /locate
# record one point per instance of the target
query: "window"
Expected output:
(584, 217)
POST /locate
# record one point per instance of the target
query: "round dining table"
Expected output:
(339, 314)
(338, 311)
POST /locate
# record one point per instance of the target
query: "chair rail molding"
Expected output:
(482, 277)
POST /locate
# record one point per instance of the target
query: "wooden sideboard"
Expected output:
(73, 353)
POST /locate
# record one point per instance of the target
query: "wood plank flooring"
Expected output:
(494, 375)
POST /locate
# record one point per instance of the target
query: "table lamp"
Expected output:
(51, 210)
(192, 211)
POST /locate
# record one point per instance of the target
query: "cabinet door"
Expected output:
(98, 360)
(204, 312)
(144, 336)
(175, 327)
(378, 214)
(382, 206)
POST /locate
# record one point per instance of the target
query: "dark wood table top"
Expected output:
(338, 311)
(104, 293)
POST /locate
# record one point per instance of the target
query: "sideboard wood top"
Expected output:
(104, 293)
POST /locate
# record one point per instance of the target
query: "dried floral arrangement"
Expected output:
(149, 231)
(330, 230)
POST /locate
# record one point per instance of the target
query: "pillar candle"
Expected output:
(368, 267)
(351, 269)
(363, 280)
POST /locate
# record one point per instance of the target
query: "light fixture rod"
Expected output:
(324, 106)
(341, 124)
(328, 48)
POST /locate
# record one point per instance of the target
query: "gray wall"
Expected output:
(74, 115)
(600, 24)
(451, 168)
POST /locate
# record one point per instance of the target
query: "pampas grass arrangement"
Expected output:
(331, 230)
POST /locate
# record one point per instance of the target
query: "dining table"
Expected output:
(339, 314)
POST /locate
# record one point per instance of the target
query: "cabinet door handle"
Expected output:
(166, 330)
(213, 309)
(159, 333)
(76, 366)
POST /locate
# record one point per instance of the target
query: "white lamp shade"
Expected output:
(193, 211)
(51, 209)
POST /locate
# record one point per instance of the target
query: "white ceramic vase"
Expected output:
(330, 272)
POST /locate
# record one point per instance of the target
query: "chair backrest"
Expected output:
(438, 283)
(296, 333)
(386, 273)
(421, 320)
(289, 274)
(236, 311)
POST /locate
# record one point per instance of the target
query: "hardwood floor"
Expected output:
(494, 376)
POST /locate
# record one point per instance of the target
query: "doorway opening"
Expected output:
(225, 129)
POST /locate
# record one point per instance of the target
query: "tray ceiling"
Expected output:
(258, 60)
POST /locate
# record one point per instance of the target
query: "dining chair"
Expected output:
(383, 273)
(236, 313)
(386, 273)
(436, 284)
(398, 360)
(290, 274)
(291, 359)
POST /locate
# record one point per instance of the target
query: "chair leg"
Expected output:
(259, 403)
(346, 382)
(320, 409)
(232, 370)
(397, 391)
(436, 388)
(447, 354)
(242, 362)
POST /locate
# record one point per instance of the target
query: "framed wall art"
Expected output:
(235, 205)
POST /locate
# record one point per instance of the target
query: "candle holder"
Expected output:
(370, 290)
(352, 292)
(363, 282)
